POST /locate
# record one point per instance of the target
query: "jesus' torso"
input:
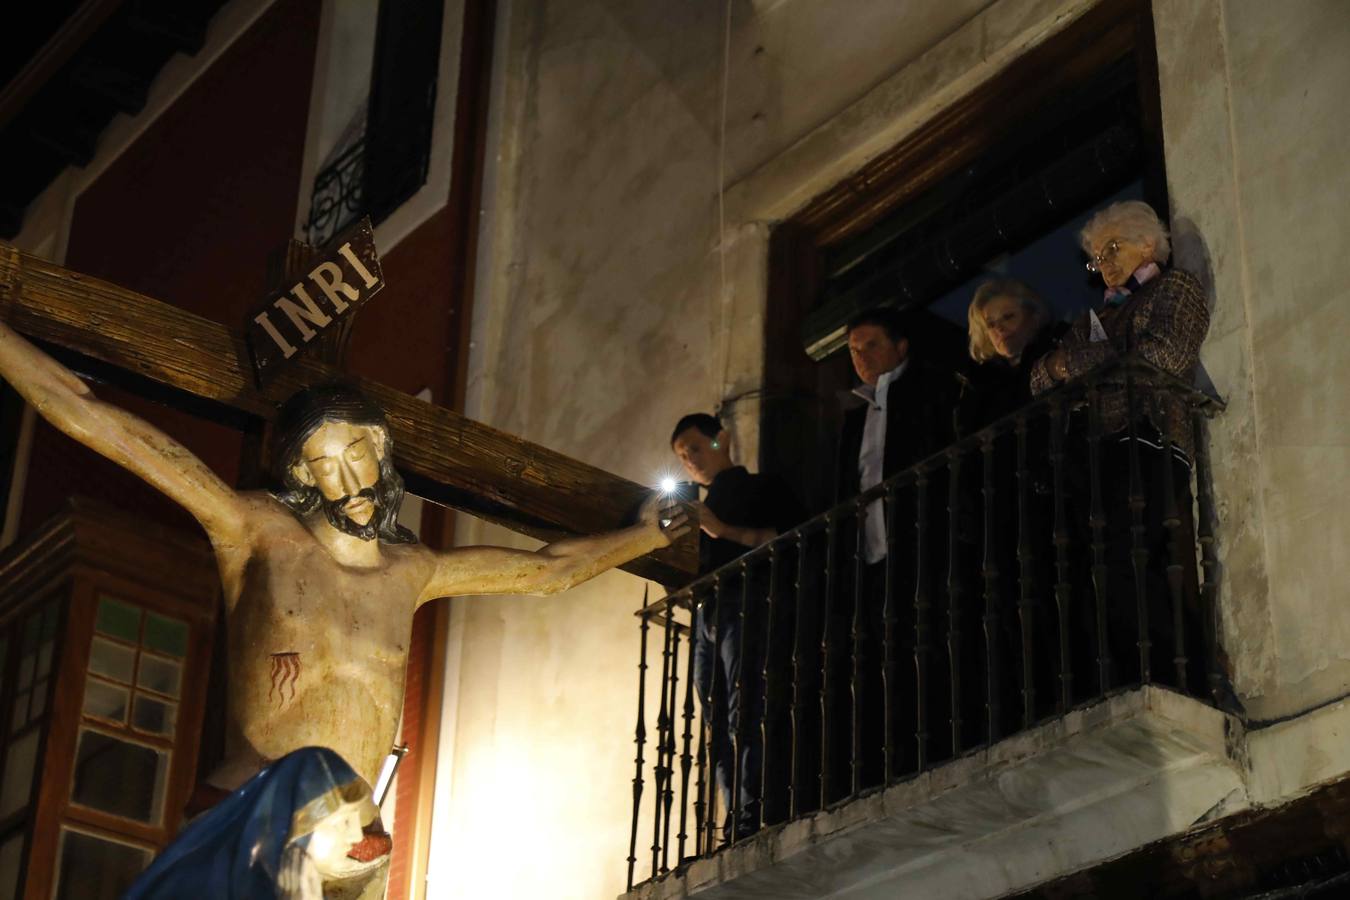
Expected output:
(317, 649)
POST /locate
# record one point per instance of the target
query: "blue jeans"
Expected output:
(729, 685)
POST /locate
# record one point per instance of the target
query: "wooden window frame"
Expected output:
(953, 138)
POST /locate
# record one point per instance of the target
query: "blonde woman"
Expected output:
(1009, 328)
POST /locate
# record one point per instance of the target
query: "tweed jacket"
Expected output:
(1165, 321)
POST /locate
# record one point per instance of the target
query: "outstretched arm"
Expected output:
(60, 397)
(555, 567)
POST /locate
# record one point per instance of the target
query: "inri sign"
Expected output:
(335, 285)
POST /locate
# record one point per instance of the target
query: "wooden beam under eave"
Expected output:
(445, 457)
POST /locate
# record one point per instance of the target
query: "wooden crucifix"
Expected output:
(194, 364)
(320, 580)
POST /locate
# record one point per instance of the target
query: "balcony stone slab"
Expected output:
(1094, 784)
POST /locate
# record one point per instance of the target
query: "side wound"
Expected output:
(285, 673)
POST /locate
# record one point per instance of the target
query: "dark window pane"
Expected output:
(166, 635)
(121, 620)
(163, 676)
(11, 860)
(107, 701)
(20, 765)
(154, 716)
(93, 868)
(38, 705)
(119, 777)
(19, 717)
(112, 661)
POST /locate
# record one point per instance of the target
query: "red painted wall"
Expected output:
(188, 215)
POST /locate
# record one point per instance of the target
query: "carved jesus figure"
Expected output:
(320, 580)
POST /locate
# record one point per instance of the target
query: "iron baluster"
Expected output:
(686, 760)
(701, 811)
(1138, 547)
(640, 738)
(796, 698)
(1209, 561)
(989, 569)
(668, 798)
(889, 676)
(1063, 588)
(738, 734)
(855, 681)
(769, 602)
(921, 605)
(661, 771)
(1026, 606)
(716, 714)
(1097, 525)
(826, 635)
(954, 589)
(1172, 522)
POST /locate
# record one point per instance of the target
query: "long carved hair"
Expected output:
(302, 415)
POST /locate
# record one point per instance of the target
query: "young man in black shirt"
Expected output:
(741, 511)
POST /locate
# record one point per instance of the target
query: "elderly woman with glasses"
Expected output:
(1159, 314)
(1010, 330)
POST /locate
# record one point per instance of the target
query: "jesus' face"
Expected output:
(342, 460)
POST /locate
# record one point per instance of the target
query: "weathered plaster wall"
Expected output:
(1253, 98)
(601, 317)
(600, 324)
(603, 313)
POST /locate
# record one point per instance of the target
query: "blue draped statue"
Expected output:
(268, 839)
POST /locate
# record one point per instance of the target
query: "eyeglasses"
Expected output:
(1108, 253)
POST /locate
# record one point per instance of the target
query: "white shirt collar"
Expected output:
(876, 396)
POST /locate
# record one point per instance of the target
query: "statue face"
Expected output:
(332, 837)
(1010, 325)
(343, 461)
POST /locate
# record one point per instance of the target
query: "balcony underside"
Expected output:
(1092, 785)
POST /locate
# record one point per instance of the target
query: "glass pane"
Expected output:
(106, 700)
(11, 858)
(39, 704)
(44, 660)
(162, 676)
(154, 716)
(19, 717)
(112, 660)
(119, 777)
(49, 616)
(166, 635)
(93, 868)
(27, 666)
(121, 620)
(32, 627)
(20, 764)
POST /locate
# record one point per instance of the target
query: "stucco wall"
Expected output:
(603, 313)
(1253, 97)
(599, 321)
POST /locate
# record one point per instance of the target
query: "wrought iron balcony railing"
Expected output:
(1035, 566)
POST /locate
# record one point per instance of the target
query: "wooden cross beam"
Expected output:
(122, 336)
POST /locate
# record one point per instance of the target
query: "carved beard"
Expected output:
(339, 519)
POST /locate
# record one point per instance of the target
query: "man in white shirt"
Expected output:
(906, 417)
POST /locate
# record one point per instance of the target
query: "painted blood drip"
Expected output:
(285, 673)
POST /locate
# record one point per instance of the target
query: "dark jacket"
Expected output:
(990, 390)
(748, 501)
(918, 424)
(1164, 322)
